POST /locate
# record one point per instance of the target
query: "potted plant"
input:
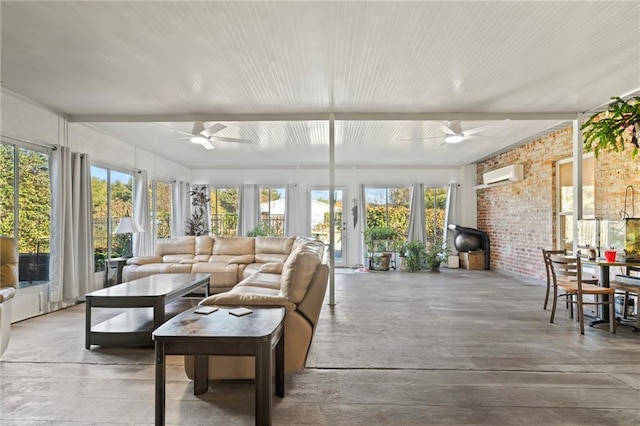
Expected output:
(435, 255)
(377, 239)
(610, 130)
(415, 255)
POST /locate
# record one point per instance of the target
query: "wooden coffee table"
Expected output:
(134, 326)
(220, 333)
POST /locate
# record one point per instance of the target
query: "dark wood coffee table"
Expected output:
(134, 326)
(220, 333)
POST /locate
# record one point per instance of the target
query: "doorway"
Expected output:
(319, 220)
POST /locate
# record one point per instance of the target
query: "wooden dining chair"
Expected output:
(566, 274)
(545, 256)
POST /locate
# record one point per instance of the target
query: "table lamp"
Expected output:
(128, 225)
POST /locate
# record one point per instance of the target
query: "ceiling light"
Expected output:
(199, 139)
(453, 138)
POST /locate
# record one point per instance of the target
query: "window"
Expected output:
(161, 211)
(388, 207)
(272, 207)
(435, 201)
(224, 212)
(565, 198)
(112, 197)
(25, 209)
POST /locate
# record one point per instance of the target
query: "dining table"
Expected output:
(604, 267)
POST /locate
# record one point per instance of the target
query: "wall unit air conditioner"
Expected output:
(503, 175)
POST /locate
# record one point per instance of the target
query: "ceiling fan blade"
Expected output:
(479, 137)
(188, 136)
(198, 127)
(236, 140)
(211, 130)
(172, 129)
(439, 145)
(421, 139)
(449, 128)
(495, 126)
(206, 143)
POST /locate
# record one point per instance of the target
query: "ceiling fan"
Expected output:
(206, 135)
(453, 133)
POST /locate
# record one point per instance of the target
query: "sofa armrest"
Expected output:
(243, 259)
(272, 268)
(144, 260)
(248, 299)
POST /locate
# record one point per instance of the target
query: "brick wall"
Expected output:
(519, 217)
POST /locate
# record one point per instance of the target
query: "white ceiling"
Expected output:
(272, 72)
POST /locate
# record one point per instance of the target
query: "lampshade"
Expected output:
(128, 225)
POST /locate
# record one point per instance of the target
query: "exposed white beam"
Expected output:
(324, 116)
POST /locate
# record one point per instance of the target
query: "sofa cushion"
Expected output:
(244, 258)
(181, 268)
(176, 258)
(144, 260)
(261, 279)
(222, 274)
(176, 245)
(299, 269)
(253, 297)
(204, 245)
(233, 246)
(273, 249)
(272, 268)
(150, 269)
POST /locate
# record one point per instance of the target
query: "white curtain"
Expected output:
(142, 241)
(362, 222)
(180, 208)
(293, 215)
(417, 230)
(72, 267)
(249, 208)
(450, 214)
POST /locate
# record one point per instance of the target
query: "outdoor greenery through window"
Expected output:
(388, 207)
(272, 208)
(435, 202)
(224, 212)
(112, 197)
(161, 211)
(25, 209)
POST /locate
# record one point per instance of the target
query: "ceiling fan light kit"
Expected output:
(453, 138)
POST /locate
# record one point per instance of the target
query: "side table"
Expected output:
(118, 263)
(258, 334)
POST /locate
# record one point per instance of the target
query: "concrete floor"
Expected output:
(457, 348)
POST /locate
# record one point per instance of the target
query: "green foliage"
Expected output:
(436, 253)
(415, 255)
(224, 212)
(262, 229)
(610, 129)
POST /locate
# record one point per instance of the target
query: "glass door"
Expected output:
(319, 210)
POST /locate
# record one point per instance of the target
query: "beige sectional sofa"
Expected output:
(290, 272)
(228, 260)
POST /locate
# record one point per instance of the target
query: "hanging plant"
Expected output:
(612, 129)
